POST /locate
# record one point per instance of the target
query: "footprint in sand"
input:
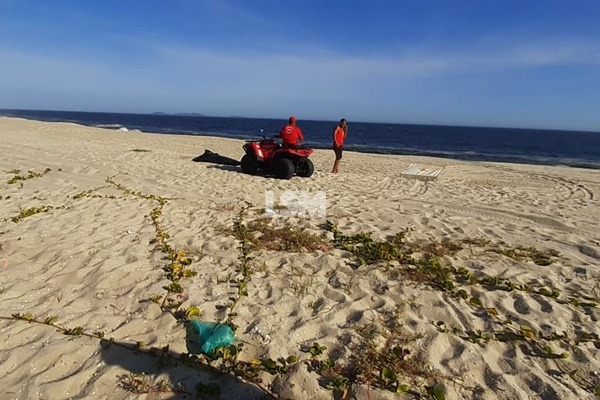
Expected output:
(589, 251)
(335, 295)
(521, 305)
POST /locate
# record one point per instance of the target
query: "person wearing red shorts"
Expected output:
(339, 136)
(291, 134)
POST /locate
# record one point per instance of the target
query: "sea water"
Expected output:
(534, 146)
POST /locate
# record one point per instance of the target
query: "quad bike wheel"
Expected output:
(249, 164)
(283, 168)
(304, 167)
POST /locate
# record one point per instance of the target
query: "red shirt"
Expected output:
(291, 135)
(338, 136)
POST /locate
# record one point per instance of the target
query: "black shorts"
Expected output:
(338, 152)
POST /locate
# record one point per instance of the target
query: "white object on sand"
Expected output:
(420, 172)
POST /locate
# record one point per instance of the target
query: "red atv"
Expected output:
(269, 156)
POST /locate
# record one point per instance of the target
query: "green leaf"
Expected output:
(339, 383)
(269, 363)
(226, 353)
(573, 373)
(399, 352)
(526, 328)
(527, 331)
(388, 376)
(188, 273)
(403, 388)
(192, 311)
(74, 331)
(545, 292)
(475, 301)
(316, 349)
(291, 359)
(492, 311)
(438, 393)
(156, 299)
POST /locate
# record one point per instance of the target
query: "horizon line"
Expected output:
(201, 115)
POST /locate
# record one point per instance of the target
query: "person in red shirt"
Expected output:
(339, 136)
(291, 134)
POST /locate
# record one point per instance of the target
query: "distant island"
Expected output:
(179, 114)
(193, 115)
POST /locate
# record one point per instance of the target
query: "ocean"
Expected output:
(529, 146)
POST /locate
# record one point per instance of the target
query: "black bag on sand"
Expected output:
(215, 158)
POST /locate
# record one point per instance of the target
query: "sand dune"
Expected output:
(78, 241)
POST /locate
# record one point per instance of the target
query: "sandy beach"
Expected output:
(107, 238)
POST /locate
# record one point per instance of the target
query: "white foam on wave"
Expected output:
(109, 126)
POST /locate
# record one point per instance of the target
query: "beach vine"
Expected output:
(30, 175)
(377, 367)
(223, 361)
(381, 359)
(421, 264)
(388, 365)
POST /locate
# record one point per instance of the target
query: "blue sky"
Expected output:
(484, 63)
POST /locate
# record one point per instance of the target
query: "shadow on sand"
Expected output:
(161, 365)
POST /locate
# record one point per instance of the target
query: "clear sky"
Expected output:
(464, 62)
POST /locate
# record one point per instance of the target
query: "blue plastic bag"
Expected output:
(205, 337)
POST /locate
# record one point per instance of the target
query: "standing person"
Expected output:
(291, 134)
(339, 136)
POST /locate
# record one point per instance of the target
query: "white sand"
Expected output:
(89, 261)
